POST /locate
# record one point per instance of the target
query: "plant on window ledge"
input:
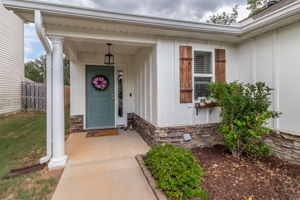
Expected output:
(245, 112)
(204, 102)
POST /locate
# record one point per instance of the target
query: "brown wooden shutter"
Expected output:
(220, 65)
(186, 74)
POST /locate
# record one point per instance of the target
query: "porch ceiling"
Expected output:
(100, 47)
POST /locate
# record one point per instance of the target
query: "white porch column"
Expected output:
(59, 158)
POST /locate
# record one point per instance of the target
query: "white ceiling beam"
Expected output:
(90, 34)
(71, 50)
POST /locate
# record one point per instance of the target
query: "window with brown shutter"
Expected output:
(220, 65)
(203, 73)
(186, 74)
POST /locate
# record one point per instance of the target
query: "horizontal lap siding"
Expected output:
(11, 60)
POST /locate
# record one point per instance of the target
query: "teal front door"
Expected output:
(100, 109)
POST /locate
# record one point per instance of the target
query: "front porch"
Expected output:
(147, 77)
(130, 83)
(104, 168)
(131, 78)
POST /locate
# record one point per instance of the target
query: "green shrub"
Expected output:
(244, 112)
(176, 170)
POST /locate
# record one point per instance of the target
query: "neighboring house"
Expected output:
(160, 67)
(11, 60)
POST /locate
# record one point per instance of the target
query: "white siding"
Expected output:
(153, 94)
(166, 73)
(153, 73)
(244, 71)
(170, 111)
(145, 84)
(11, 60)
(274, 59)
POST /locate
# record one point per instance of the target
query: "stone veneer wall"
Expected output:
(144, 128)
(203, 135)
(285, 145)
(76, 123)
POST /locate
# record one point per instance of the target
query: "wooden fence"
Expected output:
(34, 97)
(67, 98)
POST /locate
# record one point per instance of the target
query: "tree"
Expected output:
(225, 18)
(35, 70)
(256, 6)
(66, 71)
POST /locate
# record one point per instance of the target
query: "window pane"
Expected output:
(201, 86)
(120, 93)
(202, 62)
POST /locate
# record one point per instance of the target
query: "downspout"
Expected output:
(38, 20)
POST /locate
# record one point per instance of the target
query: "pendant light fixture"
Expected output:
(109, 58)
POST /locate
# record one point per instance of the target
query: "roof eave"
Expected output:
(62, 9)
(242, 31)
(289, 11)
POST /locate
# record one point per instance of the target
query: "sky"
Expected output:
(192, 10)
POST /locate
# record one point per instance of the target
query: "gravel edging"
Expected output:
(158, 193)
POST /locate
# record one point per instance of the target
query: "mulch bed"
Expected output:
(266, 178)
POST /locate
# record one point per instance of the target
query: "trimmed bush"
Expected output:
(245, 114)
(176, 171)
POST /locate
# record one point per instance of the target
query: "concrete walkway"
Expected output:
(104, 168)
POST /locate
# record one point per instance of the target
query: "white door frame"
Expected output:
(118, 66)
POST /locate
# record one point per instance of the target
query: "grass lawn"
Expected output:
(23, 143)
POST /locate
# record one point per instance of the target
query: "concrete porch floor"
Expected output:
(104, 168)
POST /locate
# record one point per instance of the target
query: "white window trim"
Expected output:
(121, 121)
(212, 75)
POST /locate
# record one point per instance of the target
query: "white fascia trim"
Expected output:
(63, 9)
(278, 15)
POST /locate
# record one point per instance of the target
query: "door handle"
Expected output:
(112, 99)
